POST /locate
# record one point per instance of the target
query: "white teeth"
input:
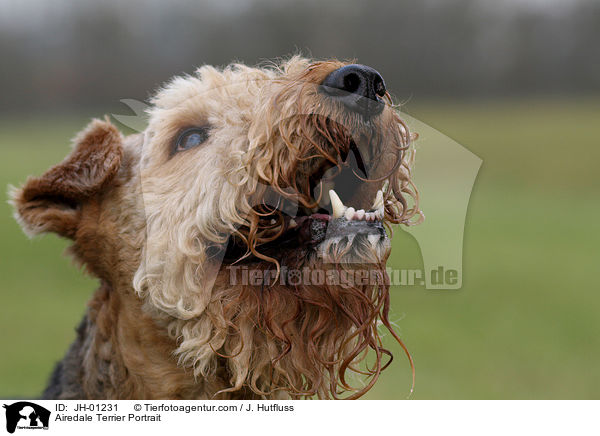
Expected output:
(273, 221)
(337, 205)
(378, 203)
(386, 184)
(293, 223)
(339, 210)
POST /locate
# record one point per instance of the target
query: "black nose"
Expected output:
(358, 87)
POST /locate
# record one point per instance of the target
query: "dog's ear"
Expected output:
(52, 202)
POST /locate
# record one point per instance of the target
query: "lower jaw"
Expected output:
(355, 249)
(347, 236)
(320, 238)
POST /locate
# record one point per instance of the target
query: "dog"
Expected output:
(229, 237)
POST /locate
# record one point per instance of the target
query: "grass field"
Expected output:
(524, 325)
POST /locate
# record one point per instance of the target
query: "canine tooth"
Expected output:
(336, 204)
(379, 213)
(273, 221)
(349, 214)
(293, 223)
(360, 214)
(378, 203)
(386, 184)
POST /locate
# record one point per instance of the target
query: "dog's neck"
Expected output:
(122, 353)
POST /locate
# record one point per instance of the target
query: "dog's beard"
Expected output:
(306, 338)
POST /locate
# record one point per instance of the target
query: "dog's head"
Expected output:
(292, 168)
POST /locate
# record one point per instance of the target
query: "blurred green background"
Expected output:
(517, 82)
(524, 325)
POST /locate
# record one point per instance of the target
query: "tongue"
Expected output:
(321, 216)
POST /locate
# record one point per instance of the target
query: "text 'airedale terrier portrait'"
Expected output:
(240, 241)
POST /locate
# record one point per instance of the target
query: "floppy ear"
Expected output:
(52, 202)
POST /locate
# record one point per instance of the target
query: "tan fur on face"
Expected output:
(147, 221)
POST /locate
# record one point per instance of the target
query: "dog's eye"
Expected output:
(191, 138)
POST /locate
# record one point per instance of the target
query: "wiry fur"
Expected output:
(167, 322)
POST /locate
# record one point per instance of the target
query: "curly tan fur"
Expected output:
(167, 322)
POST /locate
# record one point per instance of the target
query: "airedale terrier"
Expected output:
(229, 264)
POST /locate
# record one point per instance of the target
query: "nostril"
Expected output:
(379, 86)
(351, 82)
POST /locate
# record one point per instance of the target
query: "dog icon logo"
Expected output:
(26, 415)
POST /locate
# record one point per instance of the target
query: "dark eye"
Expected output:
(191, 138)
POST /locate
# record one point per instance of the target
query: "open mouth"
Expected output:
(344, 225)
(290, 227)
(338, 222)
